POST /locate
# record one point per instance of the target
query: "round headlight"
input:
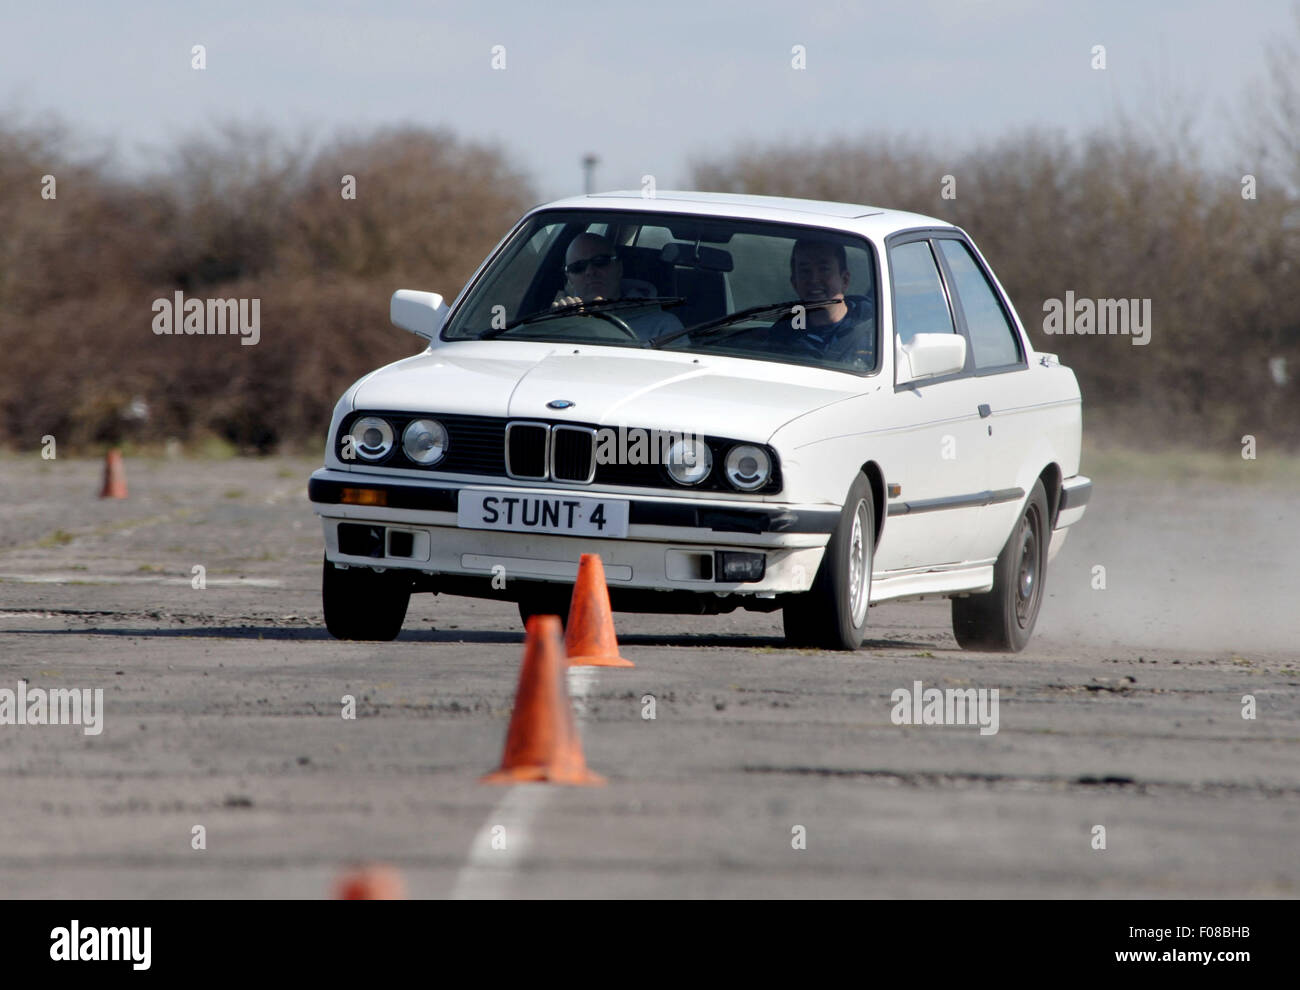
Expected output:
(748, 467)
(425, 441)
(372, 437)
(689, 461)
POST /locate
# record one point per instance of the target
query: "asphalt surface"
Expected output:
(222, 709)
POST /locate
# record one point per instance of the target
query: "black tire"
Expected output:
(1002, 620)
(546, 600)
(833, 613)
(362, 604)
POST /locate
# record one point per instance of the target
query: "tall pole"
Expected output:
(589, 163)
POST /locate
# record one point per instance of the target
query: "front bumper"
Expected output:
(672, 543)
(1075, 493)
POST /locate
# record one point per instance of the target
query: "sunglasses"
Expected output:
(578, 267)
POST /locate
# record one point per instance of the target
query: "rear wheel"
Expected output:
(1002, 620)
(833, 613)
(362, 604)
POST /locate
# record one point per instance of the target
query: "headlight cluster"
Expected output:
(689, 461)
(372, 438)
(424, 441)
(747, 467)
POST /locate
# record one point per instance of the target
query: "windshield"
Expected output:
(773, 292)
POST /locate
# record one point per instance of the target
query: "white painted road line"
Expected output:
(488, 871)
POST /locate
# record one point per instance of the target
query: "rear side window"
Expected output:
(992, 338)
(920, 305)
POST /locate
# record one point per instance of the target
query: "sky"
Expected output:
(647, 87)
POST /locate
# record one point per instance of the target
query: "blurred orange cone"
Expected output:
(371, 883)
(542, 742)
(114, 476)
(589, 640)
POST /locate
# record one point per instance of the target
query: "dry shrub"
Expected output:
(246, 215)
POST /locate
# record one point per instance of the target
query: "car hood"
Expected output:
(721, 396)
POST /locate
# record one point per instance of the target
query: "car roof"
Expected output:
(871, 220)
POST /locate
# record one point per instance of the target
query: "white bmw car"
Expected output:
(736, 401)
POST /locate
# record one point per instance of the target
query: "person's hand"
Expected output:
(563, 300)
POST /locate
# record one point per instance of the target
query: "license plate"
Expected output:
(567, 514)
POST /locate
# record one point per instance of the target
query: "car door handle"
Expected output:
(985, 411)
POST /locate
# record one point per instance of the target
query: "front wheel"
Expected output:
(833, 613)
(1002, 620)
(362, 604)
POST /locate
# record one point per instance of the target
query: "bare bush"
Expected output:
(242, 214)
(426, 204)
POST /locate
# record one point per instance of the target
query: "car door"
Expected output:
(1001, 381)
(941, 471)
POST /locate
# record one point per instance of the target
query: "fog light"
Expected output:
(361, 540)
(733, 565)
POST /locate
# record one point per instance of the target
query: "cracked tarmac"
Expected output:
(222, 710)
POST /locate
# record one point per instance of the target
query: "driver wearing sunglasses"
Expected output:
(593, 271)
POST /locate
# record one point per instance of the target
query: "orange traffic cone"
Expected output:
(589, 640)
(114, 476)
(542, 743)
(371, 883)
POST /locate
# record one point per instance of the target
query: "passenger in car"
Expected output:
(593, 271)
(843, 333)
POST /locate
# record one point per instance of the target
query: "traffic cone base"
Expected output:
(544, 775)
(542, 744)
(600, 661)
(589, 640)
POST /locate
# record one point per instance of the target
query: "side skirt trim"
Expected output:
(957, 501)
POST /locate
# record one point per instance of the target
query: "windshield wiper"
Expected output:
(767, 309)
(579, 308)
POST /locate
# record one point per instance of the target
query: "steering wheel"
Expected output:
(617, 321)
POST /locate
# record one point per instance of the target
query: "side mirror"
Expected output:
(929, 355)
(422, 313)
